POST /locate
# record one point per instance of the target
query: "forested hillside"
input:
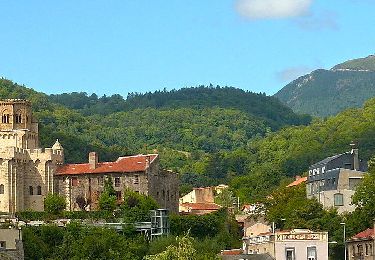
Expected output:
(202, 140)
(206, 145)
(269, 109)
(290, 151)
(327, 92)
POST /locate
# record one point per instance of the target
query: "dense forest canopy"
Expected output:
(267, 108)
(207, 145)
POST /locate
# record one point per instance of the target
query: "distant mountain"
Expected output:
(366, 64)
(327, 92)
(265, 108)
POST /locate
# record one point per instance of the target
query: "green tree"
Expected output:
(184, 250)
(54, 203)
(225, 198)
(108, 199)
(136, 207)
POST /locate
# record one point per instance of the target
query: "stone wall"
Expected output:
(159, 184)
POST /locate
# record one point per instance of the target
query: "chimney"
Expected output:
(148, 161)
(354, 152)
(93, 160)
(298, 177)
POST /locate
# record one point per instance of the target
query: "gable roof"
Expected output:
(136, 163)
(368, 233)
(298, 182)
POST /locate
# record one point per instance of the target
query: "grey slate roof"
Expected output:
(327, 160)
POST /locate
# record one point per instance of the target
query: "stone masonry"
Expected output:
(26, 170)
(82, 184)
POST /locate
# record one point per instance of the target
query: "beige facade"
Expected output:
(199, 195)
(340, 197)
(11, 246)
(361, 246)
(296, 244)
(26, 170)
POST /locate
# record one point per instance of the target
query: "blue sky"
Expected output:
(110, 47)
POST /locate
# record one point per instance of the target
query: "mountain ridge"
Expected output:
(325, 93)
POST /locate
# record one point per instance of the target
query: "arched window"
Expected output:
(18, 117)
(5, 117)
(2, 189)
(39, 190)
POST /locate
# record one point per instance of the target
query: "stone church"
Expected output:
(26, 170)
(28, 173)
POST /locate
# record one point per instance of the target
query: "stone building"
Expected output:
(333, 180)
(11, 245)
(361, 246)
(290, 245)
(26, 170)
(82, 184)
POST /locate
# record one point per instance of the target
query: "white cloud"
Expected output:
(272, 9)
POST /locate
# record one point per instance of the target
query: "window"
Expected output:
(31, 190)
(5, 117)
(136, 179)
(74, 181)
(339, 199)
(18, 117)
(2, 244)
(2, 189)
(311, 253)
(353, 182)
(117, 182)
(366, 249)
(39, 190)
(290, 254)
(118, 195)
(360, 250)
(100, 181)
(348, 166)
(333, 181)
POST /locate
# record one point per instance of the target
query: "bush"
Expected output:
(54, 204)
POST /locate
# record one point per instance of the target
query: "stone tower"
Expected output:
(17, 127)
(26, 171)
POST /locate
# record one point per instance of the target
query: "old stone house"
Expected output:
(82, 184)
(26, 170)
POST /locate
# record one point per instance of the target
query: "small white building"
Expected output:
(296, 244)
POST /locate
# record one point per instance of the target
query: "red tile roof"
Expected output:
(201, 206)
(298, 181)
(135, 163)
(232, 252)
(368, 233)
